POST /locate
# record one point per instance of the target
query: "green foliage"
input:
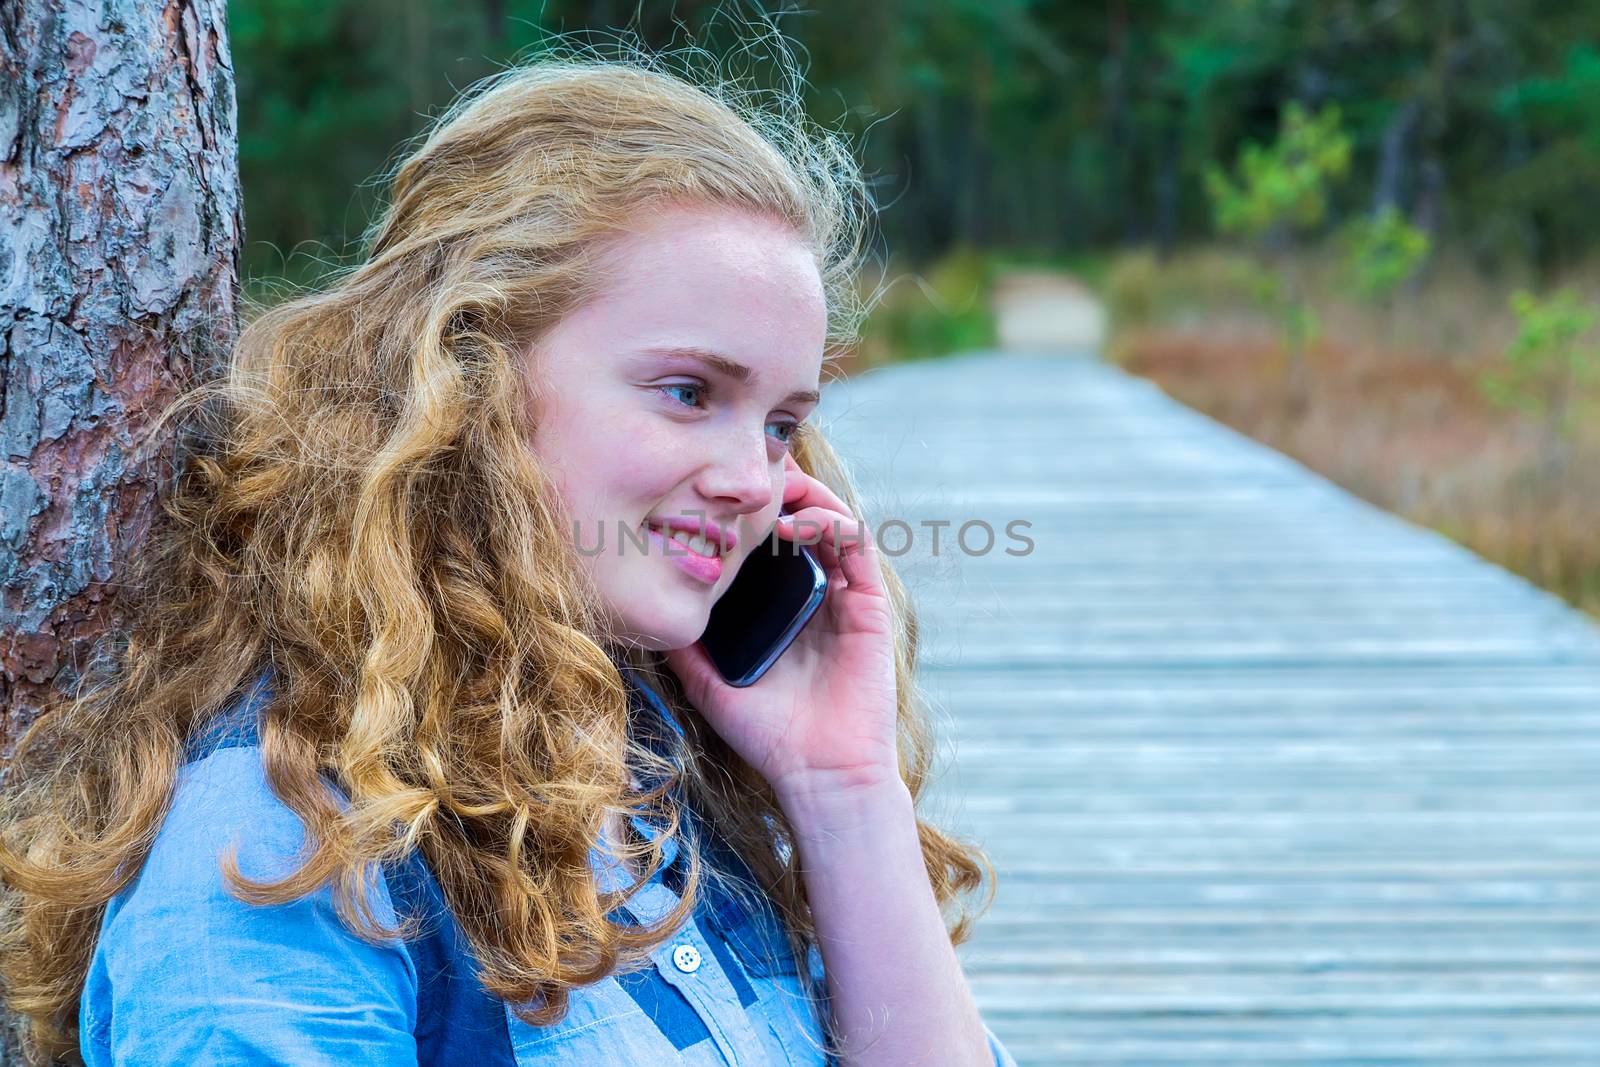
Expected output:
(1284, 184)
(1259, 283)
(1277, 293)
(1549, 357)
(1383, 251)
(1133, 289)
(1280, 189)
(1091, 267)
(1547, 184)
(1002, 124)
(936, 312)
(1140, 289)
(1564, 101)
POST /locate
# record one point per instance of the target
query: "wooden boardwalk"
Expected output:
(1269, 775)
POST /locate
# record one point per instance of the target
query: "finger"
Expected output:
(811, 527)
(801, 490)
(843, 543)
(823, 514)
(858, 558)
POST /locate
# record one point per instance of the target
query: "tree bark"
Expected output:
(1392, 157)
(120, 227)
(1169, 163)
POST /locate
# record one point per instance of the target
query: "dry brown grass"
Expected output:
(1393, 414)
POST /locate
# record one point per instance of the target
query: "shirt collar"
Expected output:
(643, 698)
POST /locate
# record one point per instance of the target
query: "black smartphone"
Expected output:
(777, 590)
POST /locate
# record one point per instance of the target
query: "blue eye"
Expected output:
(786, 429)
(693, 387)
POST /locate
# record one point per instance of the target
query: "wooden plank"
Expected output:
(1269, 776)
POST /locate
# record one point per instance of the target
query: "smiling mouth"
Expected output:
(696, 543)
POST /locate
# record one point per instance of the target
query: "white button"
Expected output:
(686, 958)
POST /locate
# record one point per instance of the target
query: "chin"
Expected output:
(659, 635)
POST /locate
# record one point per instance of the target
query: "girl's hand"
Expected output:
(821, 721)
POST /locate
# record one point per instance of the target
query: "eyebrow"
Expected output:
(737, 371)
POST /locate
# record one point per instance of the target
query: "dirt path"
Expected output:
(1048, 314)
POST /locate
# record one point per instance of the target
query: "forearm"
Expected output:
(896, 985)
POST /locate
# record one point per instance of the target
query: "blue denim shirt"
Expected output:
(185, 973)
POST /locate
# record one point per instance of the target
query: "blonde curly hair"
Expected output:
(360, 512)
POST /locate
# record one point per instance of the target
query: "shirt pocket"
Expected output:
(752, 930)
(795, 1022)
(756, 937)
(605, 1023)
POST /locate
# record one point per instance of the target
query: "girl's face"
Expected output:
(670, 398)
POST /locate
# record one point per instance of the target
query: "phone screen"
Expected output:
(777, 590)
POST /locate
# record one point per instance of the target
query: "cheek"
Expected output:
(619, 477)
(612, 461)
(649, 462)
(576, 472)
(581, 455)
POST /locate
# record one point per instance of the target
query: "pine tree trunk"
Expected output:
(120, 226)
(1394, 170)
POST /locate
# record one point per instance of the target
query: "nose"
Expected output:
(740, 476)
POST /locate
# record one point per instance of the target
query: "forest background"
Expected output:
(1361, 232)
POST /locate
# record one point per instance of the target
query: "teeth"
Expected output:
(693, 542)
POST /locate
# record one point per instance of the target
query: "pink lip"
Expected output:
(706, 568)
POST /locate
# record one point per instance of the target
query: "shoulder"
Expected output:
(184, 967)
(223, 801)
